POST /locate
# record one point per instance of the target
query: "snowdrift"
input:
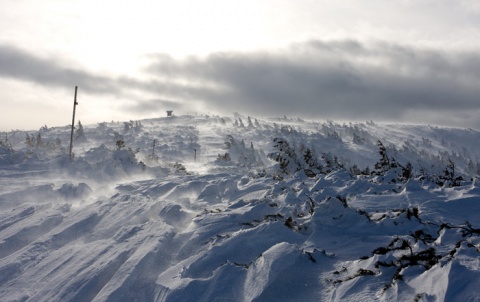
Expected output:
(208, 208)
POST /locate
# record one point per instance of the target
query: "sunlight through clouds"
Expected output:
(115, 33)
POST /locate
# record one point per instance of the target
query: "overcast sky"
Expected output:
(408, 61)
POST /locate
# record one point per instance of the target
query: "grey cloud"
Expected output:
(315, 79)
(19, 64)
(343, 79)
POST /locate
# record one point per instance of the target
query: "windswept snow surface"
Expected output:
(207, 208)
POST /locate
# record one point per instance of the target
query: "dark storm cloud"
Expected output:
(345, 79)
(19, 64)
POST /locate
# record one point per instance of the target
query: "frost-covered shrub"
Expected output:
(292, 159)
(388, 169)
(385, 163)
(224, 158)
(30, 140)
(285, 156)
(238, 153)
(71, 191)
(179, 168)
(240, 123)
(103, 160)
(449, 178)
(332, 163)
(120, 143)
(80, 133)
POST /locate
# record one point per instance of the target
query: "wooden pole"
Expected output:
(153, 150)
(195, 156)
(75, 103)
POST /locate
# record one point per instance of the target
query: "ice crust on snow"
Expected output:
(122, 221)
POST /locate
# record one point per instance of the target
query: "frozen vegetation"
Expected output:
(209, 208)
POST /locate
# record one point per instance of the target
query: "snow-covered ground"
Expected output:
(209, 208)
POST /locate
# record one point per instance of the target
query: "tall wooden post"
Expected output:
(75, 103)
(195, 156)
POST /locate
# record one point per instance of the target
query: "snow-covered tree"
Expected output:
(449, 178)
(240, 123)
(39, 142)
(385, 163)
(250, 124)
(80, 133)
(30, 140)
(286, 156)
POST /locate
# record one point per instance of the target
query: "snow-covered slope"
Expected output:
(208, 208)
